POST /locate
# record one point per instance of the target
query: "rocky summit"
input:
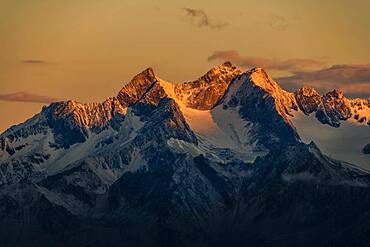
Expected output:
(228, 159)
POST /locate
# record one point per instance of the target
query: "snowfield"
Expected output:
(343, 143)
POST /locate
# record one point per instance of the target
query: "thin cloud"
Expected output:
(34, 61)
(354, 79)
(277, 22)
(199, 18)
(351, 78)
(344, 73)
(26, 97)
(289, 65)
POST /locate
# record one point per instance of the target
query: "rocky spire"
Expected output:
(284, 100)
(137, 87)
(205, 92)
(308, 99)
(335, 107)
(261, 101)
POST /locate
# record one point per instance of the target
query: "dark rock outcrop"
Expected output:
(308, 99)
(335, 107)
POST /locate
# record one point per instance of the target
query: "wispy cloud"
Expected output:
(26, 97)
(344, 73)
(199, 18)
(289, 65)
(351, 78)
(277, 22)
(34, 61)
(354, 79)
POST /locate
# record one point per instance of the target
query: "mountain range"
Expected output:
(229, 159)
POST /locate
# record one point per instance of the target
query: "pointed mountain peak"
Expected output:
(205, 92)
(147, 74)
(334, 108)
(307, 99)
(260, 78)
(336, 93)
(137, 87)
(227, 64)
(258, 70)
(255, 86)
(226, 67)
(219, 73)
(307, 91)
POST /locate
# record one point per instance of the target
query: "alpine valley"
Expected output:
(229, 159)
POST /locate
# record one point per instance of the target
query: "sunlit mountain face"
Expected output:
(229, 159)
(185, 123)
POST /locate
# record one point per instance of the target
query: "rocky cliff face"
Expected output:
(207, 91)
(333, 107)
(308, 99)
(262, 101)
(137, 87)
(91, 115)
(213, 162)
(361, 110)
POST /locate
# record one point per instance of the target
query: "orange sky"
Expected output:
(87, 49)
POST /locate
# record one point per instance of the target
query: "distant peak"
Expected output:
(259, 77)
(257, 70)
(307, 91)
(137, 87)
(148, 73)
(336, 93)
(307, 99)
(226, 67)
(307, 88)
(227, 64)
(205, 92)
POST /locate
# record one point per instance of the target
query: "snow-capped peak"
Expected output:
(256, 83)
(254, 97)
